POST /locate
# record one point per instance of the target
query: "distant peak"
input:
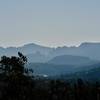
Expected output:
(30, 45)
(35, 45)
(90, 44)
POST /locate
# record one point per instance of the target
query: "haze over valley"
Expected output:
(57, 61)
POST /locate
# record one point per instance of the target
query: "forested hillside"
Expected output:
(17, 83)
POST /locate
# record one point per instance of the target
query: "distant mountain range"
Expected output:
(91, 50)
(25, 49)
(57, 70)
(72, 60)
(60, 60)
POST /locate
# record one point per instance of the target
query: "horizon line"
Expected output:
(39, 44)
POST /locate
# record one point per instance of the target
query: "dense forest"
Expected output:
(18, 83)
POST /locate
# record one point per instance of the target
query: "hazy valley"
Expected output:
(58, 61)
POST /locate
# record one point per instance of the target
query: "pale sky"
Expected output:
(49, 22)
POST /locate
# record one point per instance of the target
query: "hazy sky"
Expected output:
(49, 22)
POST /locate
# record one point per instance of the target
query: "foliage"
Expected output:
(17, 84)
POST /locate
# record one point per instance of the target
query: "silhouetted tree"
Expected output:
(19, 86)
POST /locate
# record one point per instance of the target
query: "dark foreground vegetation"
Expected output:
(17, 83)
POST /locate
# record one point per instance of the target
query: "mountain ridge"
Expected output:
(86, 49)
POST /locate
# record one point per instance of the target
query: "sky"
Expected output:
(49, 22)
